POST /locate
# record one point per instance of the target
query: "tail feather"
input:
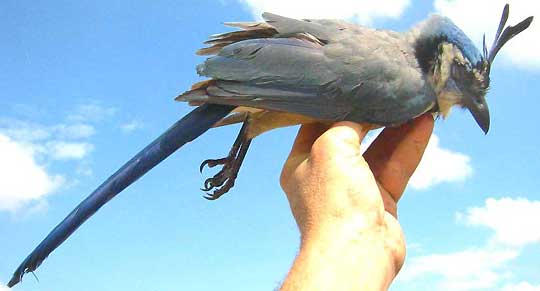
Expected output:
(185, 130)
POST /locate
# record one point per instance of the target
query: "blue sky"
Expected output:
(86, 84)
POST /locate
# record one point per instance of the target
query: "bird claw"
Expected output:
(220, 191)
(223, 181)
(219, 179)
(208, 185)
(225, 177)
(212, 163)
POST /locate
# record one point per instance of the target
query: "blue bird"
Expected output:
(284, 72)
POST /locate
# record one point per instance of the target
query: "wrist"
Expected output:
(340, 256)
(368, 250)
(357, 237)
(347, 225)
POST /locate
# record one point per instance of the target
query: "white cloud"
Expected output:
(522, 286)
(440, 165)
(69, 150)
(74, 131)
(363, 11)
(482, 16)
(23, 180)
(463, 270)
(3, 287)
(24, 131)
(50, 141)
(91, 113)
(30, 132)
(516, 222)
(26, 146)
(131, 126)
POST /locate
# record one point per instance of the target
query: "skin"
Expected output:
(345, 203)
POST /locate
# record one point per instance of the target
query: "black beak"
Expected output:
(477, 105)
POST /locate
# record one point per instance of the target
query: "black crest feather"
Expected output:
(503, 36)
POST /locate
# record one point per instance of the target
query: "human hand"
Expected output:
(345, 203)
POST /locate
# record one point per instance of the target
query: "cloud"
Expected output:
(463, 270)
(515, 222)
(523, 51)
(25, 131)
(430, 172)
(3, 287)
(69, 150)
(131, 126)
(440, 165)
(74, 131)
(30, 132)
(362, 11)
(53, 141)
(23, 180)
(26, 146)
(521, 286)
(92, 112)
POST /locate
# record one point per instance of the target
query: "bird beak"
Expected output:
(480, 111)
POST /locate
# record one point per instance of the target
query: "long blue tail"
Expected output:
(185, 130)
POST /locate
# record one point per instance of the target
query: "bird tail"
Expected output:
(185, 130)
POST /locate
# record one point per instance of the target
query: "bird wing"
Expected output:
(283, 74)
(276, 26)
(325, 69)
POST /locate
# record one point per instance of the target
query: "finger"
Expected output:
(301, 149)
(306, 136)
(342, 138)
(395, 154)
(351, 132)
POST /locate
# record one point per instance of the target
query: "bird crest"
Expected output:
(501, 38)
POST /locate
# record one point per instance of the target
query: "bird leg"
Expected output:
(223, 181)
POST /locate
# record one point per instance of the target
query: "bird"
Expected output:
(283, 71)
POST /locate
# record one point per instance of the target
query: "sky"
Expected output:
(84, 85)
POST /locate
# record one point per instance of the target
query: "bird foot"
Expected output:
(224, 180)
(221, 182)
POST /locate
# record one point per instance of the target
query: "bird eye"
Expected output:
(478, 101)
(457, 70)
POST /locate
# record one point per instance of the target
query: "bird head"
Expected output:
(456, 69)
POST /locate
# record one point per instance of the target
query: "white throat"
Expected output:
(445, 89)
